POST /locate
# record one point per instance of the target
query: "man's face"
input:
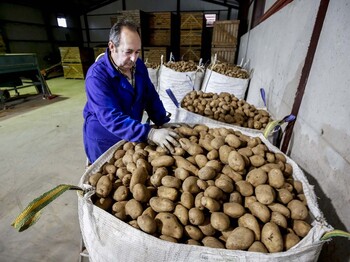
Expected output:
(126, 54)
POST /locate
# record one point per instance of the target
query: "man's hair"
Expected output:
(114, 34)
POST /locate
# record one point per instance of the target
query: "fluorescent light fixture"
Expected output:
(61, 21)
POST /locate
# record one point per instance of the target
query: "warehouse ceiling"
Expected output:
(83, 6)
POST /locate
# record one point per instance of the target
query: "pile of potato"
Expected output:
(152, 65)
(227, 108)
(229, 70)
(219, 189)
(182, 66)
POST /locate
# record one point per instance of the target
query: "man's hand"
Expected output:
(164, 137)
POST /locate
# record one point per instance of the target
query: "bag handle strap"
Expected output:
(335, 233)
(31, 214)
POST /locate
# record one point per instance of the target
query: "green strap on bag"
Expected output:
(30, 215)
(335, 233)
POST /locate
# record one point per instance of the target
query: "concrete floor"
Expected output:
(41, 147)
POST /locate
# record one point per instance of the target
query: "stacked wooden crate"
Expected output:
(224, 41)
(76, 61)
(159, 40)
(191, 28)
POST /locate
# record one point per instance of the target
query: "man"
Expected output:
(119, 90)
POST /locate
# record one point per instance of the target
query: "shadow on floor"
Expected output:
(24, 103)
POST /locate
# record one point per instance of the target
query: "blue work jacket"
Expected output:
(114, 109)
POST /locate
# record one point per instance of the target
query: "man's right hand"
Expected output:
(164, 137)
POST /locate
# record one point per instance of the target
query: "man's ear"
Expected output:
(111, 46)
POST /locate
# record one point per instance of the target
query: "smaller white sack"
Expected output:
(217, 83)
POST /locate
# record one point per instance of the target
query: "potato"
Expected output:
(256, 177)
(110, 169)
(160, 204)
(290, 240)
(121, 193)
(241, 238)
(233, 209)
(133, 208)
(214, 192)
(181, 213)
(233, 141)
(279, 219)
(281, 157)
(213, 242)
(187, 200)
(288, 170)
(298, 210)
(265, 194)
(213, 154)
(298, 186)
(145, 164)
(134, 224)
(198, 201)
(235, 197)
(156, 178)
(257, 160)
(271, 237)
(185, 164)
(190, 185)
(93, 179)
(236, 161)
(141, 193)
(248, 200)
(280, 209)
(118, 210)
(138, 176)
(211, 204)
(171, 181)
(276, 178)
(217, 142)
(244, 188)
(119, 153)
(207, 228)
(201, 160)
(168, 225)
(104, 186)
(147, 224)
(214, 164)
(219, 220)
(257, 246)
(104, 203)
(235, 176)
(246, 151)
(260, 211)
(249, 221)
(178, 151)
(193, 232)
(163, 161)
(149, 212)
(168, 238)
(203, 185)
(196, 216)
(206, 173)
(225, 184)
(192, 242)
(301, 228)
(284, 196)
(181, 173)
(224, 152)
(167, 192)
(190, 147)
(187, 131)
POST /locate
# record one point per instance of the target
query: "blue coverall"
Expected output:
(114, 109)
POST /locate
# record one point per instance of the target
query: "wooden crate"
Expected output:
(135, 15)
(191, 20)
(224, 54)
(159, 37)
(225, 33)
(98, 51)
(75, 70)
(159, 20)
(190, 53)
(76, 55)
(153, 54)
(191, 37)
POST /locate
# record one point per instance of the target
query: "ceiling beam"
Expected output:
(223, 3)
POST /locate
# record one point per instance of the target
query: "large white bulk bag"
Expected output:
(109, 239)
(179, 82)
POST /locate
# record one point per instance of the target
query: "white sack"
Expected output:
(217, 83)
(153, 75)
(180, 83)
(109, 239)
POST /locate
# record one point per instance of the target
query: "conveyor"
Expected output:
(20, 71)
